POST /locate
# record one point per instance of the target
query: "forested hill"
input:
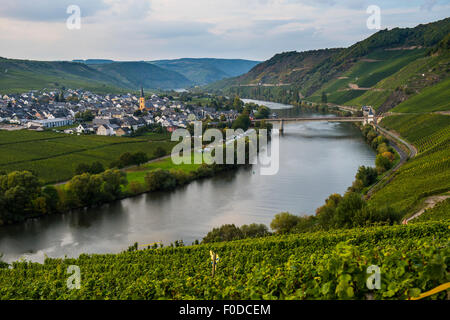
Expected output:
(352, 75)
(22, 75)
(206, 70)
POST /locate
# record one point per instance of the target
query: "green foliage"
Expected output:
(54, 156)
(322, 265)
(85, 116)
(160, 180)
(284, 222)
(229, 232)
(435, 98)
(425, 175)
(22, 196)
(93, 189)
(242, 122)
(352, 211)
(94, 168)
(262, 113)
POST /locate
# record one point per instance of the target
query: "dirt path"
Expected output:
(429, 203)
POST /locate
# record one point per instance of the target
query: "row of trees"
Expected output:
(22, 194)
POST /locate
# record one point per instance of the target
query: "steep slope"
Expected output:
(353, 74)
(281, 69)
(206, 70)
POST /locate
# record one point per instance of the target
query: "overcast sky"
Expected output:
(167, 29)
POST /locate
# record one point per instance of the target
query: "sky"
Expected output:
(128, 30)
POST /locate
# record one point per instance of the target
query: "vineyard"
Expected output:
(323, 265)
(54, 156)
(429, 172)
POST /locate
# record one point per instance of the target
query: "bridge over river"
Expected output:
(282, 121)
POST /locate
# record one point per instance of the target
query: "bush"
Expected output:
(159, 152)
(383, 164)
(367, 175)
(254, 230)
(284, 222)
(160, 180)
(227, 232)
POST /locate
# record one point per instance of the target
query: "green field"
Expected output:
(137, 174)
(425, 175)
(322, 265)
(54, 156)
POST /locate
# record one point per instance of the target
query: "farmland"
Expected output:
(429, 172)
(54, 156)
(321, 265)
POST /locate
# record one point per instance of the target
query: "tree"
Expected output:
(262, 113)
(382, 163)
(324, 98)
(140, 158)
(160, 180)
(325, 213)
(367, 175)
(126, 159)
(237, 103)
(227, 232)
(96, 167)
(254, 230)
(159, 152)
(284, 222)
(242, 122)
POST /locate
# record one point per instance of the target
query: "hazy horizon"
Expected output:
(147, 30)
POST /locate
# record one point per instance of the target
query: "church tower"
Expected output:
(142, 100)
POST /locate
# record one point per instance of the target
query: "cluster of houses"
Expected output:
(112, 114)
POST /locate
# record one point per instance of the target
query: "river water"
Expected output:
(316, 160)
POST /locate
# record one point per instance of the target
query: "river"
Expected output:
(316, 160)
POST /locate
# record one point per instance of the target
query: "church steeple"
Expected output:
(142, 100)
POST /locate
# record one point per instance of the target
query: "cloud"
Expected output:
(428, 5)
(47, 10)
(157, 29)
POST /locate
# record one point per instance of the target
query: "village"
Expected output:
(83, 112)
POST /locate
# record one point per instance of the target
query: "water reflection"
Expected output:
(316, 159)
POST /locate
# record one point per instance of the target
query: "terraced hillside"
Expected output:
(323, 265)
(383, 70)
(425, 175)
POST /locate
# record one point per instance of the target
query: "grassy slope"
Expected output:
(54, 156)
(367, 74)
(429, 172)
(438, 213)
(415, 76)
(435, 98)
(282, 267)
(18, 76)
